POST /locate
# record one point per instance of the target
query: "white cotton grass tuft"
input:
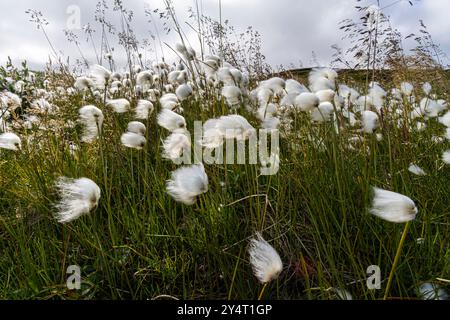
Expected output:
(406, 88)
(187, 183)
(342, 294)
(92, 119)
(445, 119)
(392, 206)
(370, 121)
(446, 156)
(100, 76)
(426, 87)
(133, 140)
(10, 141)
(264, 259)
(170, 120)
(415, 169)
(175, 145)
(234, 126)
(134, 137)
(183, 91)
(323, 112)
(306, 101)
(431, 291)
(78, 197)
(143, 109)
(136, 127)
(119, 105)
(232, 95)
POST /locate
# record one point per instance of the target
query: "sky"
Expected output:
(291, 29)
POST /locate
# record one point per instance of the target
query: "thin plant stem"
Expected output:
(396, 259)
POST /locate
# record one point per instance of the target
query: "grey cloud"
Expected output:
(290, 29)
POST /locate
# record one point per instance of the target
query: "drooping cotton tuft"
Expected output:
(187, 183)
(392, 206)
(143, 109)
(136, 127)
(306, 101)
(183, 91)
(369, 121)
(446, 156)
(119, 105)
(134, 137)
(170, 120)
(175, 145)
(415, 169)
(264, 259)
(133, 140)
(10, 141)
(92, 119)
(100, 76)
(78, 197)
(232, 95)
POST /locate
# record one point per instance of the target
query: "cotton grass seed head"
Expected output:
(170, 120)
(143, 109)
(77, 197)
(133, 140)
(264, 259)
(392, 206)
(187, 183)
(119, 105)
(10, 141)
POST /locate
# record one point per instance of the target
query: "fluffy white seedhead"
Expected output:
(143, 109)
(133, 140)
(170, 120)
(92, 119)
(83, 84)
(10, 141)
(306, 101)
(369, 121)
(415, 169)
(426, 87)
(264, 259)
(169, 101)
(100, 76)
(175, 145)
(432, 108)
(183, 91)
(343, 294)
(187, 183)
(78, 197)
(445, 119)
(293, 86)
(119, 105)
(144, 79)
(446, 156)
(322, 113)
(431, 291)
(136, 127)
(377, 95)
(392, 206)
(322, 79)
(232, 95)
(231, 127)
(325, 95)
(406, 88)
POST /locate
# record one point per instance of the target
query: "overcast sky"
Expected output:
(290, 29)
